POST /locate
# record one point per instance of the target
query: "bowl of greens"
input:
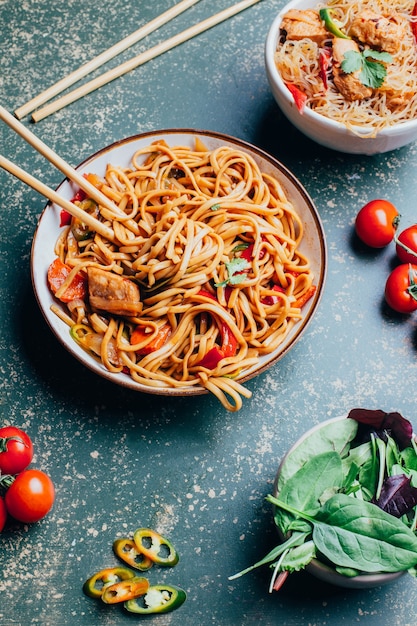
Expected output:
(344, 502)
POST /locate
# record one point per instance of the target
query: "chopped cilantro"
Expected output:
(235, 267)
(371, 66)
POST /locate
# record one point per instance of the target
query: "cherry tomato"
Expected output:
(401, 288)
(376, 223)
(31, 496)
(407, 237)
(3, 514)
(16, 450)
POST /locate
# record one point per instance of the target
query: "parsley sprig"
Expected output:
(371, 66)
(235, 267)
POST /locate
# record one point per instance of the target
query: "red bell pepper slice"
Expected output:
(324, 62)
(270, 300)
(229, 342)
(413, 23)
(65, 218)
(300, 98)
(57, 273)
(140, 334)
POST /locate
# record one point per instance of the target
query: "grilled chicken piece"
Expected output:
(298, 24)
(112, 293)
(377, 31)
(349, 85)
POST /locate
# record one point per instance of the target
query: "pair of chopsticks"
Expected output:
(122, 69)
(66, 169)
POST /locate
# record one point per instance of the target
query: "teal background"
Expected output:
(120, 459)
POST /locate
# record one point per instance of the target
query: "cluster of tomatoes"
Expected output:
(376, 225)
(26, 495)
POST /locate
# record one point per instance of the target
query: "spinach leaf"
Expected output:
(322, 474)
(359, 535)
(335, 436)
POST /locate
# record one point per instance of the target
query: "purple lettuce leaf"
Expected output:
(400, 429)
(397, 496)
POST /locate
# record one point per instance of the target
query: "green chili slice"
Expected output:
(158, 599)
(96, 584)
(125, 590)
(127, 551)
(330, 25)
(156, 547)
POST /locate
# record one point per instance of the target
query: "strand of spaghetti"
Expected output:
(53, 196)
(102, 58)
(146, 56)
(59, 163)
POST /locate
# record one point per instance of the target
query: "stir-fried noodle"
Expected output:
(298, 62)
(213, 245)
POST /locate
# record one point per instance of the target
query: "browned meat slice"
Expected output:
(112, 293)
(377, 31)
(349, 85)
(298, 24)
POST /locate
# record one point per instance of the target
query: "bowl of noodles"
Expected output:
(344, 73)
(205, 270)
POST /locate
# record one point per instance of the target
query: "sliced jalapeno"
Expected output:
(125, 590)
(331, 25)
(127, 551)
(95, 585)
(79, 229)
(158, 599)
(156, 547)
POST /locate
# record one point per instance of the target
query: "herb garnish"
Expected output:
(371, 66)
(235, 267)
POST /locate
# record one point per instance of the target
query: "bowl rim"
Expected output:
(151, 135)
(269, 53)
(316, 567)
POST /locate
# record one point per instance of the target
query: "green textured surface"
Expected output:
(121, 460)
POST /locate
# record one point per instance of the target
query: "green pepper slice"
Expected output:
(95, 585)
(331, 25)
(156, 547)
(125, 590)
(158, 599)
(127, 551)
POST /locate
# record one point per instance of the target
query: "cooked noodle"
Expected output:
(393, 103)
(189, 213)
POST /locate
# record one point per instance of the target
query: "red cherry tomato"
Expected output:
(30, 497)
(401, 288)
(408, 238)
(3, 514)
(376, 223)
(16, 450)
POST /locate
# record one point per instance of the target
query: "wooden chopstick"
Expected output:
(102, 58)
(63, 166)
(53, 196)
(118, 71)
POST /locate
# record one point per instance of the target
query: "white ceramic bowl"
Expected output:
(317, 568)
(324, 131)
(120, 153)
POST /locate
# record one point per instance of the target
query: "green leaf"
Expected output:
(352, 62)
(296, 539)
(334, 436)
(234, 269)
(370, 63)
(359, 535)
(299, 557)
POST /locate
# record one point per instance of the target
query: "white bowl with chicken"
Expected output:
(354, 91)
(100, 325)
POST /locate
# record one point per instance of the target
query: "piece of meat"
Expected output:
(349, 85)
(377, 31)
(112, 293)
(298, 24)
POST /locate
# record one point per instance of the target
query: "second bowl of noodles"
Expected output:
(346, 78)
(213, 267)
